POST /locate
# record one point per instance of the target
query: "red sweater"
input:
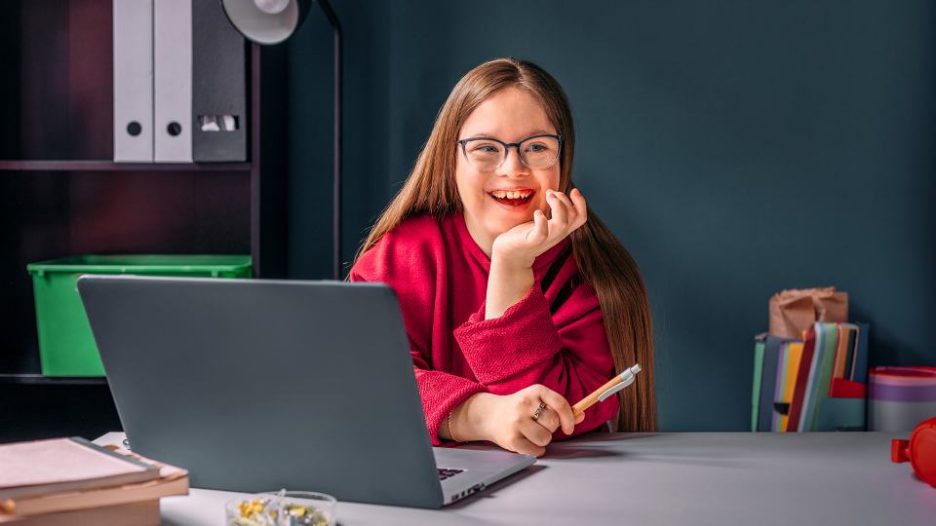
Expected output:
(553, 336)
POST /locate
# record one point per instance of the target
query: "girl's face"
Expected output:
(496, 198)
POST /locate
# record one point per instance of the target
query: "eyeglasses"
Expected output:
(486, 154)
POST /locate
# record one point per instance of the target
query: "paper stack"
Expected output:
(73, 481)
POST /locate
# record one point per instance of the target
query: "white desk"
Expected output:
(692, 479)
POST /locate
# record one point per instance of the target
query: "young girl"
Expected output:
(517, 301)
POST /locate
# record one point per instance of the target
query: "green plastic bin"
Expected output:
(66, 344)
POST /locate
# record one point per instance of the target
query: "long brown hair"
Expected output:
(604, 263)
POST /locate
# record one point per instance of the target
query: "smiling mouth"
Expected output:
(512, 197)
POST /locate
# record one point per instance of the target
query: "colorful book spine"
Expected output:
(802, 379)
(828, 334)
(789, 380)
(758, 374)
(779, 409)
(859, 372)
(768, 382)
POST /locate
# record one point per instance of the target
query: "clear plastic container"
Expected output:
(283, 508)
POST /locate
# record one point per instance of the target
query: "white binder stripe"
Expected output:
(172, 62)
(133, 80)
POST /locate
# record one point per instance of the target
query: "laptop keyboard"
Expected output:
(447, 473)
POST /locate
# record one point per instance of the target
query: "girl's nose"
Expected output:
(512, 164)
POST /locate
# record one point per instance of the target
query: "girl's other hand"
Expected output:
(520, 245)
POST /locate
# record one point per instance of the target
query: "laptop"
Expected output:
(257, 385)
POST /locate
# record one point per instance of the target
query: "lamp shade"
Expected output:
(266, 21)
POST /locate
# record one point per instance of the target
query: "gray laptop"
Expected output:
(257, 385)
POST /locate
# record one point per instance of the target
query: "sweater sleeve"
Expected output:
(525, 346)
(406, 267)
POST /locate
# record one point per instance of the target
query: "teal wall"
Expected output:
(736, 148)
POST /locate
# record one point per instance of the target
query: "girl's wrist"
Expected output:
(506, 285)
(510, 262)
(467, 420)
(448, 427)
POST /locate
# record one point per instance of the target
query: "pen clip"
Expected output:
(627, 378)
(616, 388)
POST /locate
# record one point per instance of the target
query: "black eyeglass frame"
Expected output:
(508, 145)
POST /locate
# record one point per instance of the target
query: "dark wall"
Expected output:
(736, 148)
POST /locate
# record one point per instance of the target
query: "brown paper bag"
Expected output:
(793, 311)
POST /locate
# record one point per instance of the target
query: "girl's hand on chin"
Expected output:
(523, 243)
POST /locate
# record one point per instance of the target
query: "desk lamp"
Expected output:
(268, 22)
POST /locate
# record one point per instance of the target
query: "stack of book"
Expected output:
(73, 481)
(817, 383)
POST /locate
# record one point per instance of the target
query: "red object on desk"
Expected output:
(920, 450)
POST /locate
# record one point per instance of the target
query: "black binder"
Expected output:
(219, 94)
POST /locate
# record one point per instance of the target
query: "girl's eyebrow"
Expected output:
(485, 135)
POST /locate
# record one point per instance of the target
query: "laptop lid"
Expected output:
(257, 385)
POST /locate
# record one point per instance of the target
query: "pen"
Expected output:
(613, 385)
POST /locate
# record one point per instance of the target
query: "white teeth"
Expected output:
(500, 194)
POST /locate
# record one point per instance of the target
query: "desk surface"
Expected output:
(669, 478)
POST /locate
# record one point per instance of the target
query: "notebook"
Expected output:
(45, 467)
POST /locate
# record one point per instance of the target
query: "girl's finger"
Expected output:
(581, 208)
(559, 405)
(549, 419)
(535, 433)
(571, 212)
(560, 215)
(523, 446)
(540, 229)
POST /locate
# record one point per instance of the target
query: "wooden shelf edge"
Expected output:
(111, 166)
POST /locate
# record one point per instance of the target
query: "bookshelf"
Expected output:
(110, 166)
(61, 195)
